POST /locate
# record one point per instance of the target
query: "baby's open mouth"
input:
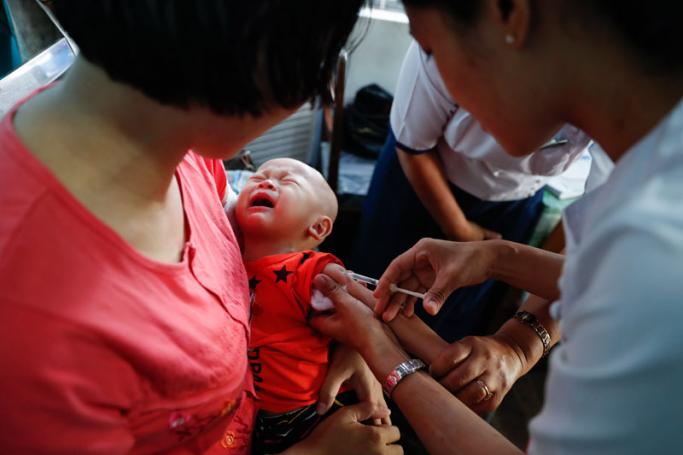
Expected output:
(262, 202)
(262, 199)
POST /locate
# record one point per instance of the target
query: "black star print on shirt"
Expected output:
(305, 258)
(282, 274)
(253, 282)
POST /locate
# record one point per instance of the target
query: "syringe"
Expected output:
(392, 287)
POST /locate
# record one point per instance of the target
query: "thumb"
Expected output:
(441, 288)
(364, 411)
(327, 324)
(436, 296)
(337, 292)
(449, 359)
(326, 284)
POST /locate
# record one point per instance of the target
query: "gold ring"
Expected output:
(486, 389)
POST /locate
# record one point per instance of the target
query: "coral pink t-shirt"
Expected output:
(103, 350)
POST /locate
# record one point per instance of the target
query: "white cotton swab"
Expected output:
(392, 287)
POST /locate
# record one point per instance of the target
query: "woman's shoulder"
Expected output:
(629, 231)
(24, 182)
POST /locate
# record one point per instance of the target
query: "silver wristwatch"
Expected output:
(402, 370)
(530, 320)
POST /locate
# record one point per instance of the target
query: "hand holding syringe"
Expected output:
(392, 287)
(323, 303)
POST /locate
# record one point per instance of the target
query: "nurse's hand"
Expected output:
(441, 267)
(352, 322)
(480, 371)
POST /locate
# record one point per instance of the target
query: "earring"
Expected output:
(509, 39)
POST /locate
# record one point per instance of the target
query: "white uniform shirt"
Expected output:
(615, 380)
(424, 116)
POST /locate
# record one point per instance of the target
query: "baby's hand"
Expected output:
(347, 366)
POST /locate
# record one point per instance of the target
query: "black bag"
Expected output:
(241, 162)
(366, 121)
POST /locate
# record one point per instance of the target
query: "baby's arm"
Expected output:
(418, 338)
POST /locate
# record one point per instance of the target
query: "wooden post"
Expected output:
(338, 123)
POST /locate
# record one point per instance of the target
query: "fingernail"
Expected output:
(321, 409)
(430, 305)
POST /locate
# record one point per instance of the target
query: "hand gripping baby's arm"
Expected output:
(415, 336)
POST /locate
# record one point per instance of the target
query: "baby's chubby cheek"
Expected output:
(244, 221)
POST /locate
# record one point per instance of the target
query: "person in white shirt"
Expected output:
(523, 67)
(440, 174)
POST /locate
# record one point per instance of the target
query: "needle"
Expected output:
(392, 288)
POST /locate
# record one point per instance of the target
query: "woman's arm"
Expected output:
(524, 339)
(426, 175)
(532, 269)
(420, 340)
(443, 423)
(498, 360)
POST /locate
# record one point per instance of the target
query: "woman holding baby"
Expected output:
(124, 303)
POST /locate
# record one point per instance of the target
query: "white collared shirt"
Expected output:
(615, 380)
(424, 117)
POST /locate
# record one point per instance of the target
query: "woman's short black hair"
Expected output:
(651, 30)
(463, 12)
(233, 56)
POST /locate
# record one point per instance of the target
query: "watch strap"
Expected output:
(531, 321)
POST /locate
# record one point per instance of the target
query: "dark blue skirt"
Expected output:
(394, 219)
